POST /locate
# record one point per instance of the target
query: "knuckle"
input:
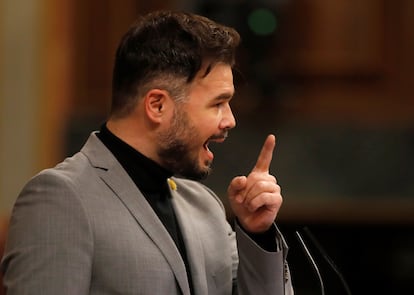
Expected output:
(262, 185)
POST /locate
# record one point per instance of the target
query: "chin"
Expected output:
(200, 173)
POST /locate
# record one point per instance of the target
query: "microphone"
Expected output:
(324, 254)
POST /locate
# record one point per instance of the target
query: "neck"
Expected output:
(134, 134)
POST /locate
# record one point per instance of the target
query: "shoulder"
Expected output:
(69, 172)
(57, 188)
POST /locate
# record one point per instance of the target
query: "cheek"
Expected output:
(207, 129)
(211, 119)
(206, 122)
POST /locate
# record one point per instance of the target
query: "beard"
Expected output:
(178, 148)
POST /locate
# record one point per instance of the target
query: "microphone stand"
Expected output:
(311, 260)
(319, 247)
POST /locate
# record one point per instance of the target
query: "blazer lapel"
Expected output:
(119, 181)
(193, 244)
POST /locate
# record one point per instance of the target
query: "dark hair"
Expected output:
(165, 47)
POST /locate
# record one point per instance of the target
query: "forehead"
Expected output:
(218, 79)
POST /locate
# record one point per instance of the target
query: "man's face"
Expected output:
(204, 117)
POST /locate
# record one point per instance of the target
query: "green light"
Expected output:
(262, 21)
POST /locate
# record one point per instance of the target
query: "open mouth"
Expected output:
(205, 145)
(214, 139)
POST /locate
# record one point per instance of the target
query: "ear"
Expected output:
(156, 101)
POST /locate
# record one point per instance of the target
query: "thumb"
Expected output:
(237, 184)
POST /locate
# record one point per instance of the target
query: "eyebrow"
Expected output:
(224, 96)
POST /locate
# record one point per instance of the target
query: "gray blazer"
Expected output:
(83, 227)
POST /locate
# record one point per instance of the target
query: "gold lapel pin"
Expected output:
(172, 184)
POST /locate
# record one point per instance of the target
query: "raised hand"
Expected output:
(256, 199)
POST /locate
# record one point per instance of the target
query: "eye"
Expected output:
(221, 104)
(218, 104)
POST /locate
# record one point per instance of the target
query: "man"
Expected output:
(126, 215)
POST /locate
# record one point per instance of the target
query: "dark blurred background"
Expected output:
(333, 80)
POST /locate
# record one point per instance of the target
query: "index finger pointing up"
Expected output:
(266, 154)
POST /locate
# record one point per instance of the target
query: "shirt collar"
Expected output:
(148, 175)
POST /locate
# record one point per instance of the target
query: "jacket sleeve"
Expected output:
(50, 245)
(260, 271)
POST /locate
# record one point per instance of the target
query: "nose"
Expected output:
(228, 121)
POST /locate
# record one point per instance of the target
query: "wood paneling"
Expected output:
(348, 62)
(57, 54)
